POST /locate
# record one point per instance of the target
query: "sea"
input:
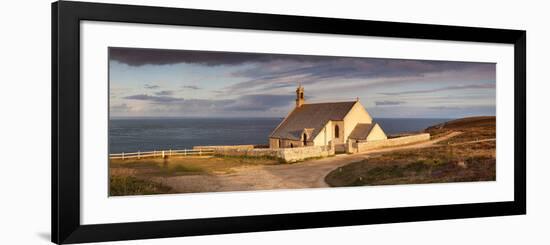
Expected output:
(148, 134)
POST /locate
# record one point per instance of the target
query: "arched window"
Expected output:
(336, 131)
(291, 145)
(305, 139)
(301, 95)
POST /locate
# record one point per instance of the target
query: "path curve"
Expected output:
(307, 174)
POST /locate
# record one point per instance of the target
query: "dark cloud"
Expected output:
(151, 86)
(139, 57)
(327, 65)
(388, 103)
(277, 74)
(330, 67)
(193, 87)
(165, 92)
(461, 87)
(158, 99)
(119, 107)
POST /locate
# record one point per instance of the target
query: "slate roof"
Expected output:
(361, 131)
(311, 116)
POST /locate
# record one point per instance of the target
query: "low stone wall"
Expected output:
(263, 152)
(301, 153)
(210, 147)
(370, 145)
(285, 154)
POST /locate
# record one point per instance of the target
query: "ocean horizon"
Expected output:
(132, 134)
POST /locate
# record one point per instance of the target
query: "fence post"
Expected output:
(139, 155)
(170, 154)
(200, 152)
(123, 156)
(185, 152)
(162, 154)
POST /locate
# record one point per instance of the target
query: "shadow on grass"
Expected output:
(366, 173)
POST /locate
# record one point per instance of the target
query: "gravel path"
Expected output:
(307, 174)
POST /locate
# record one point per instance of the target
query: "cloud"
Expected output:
(158, 99)
(139, 57)
(320, 65)
(193, 87)
(260, 102)
(256, 82)
(253, 102)
(388, 103)
(119, 107)
(151, 86)
(461, 87)
(277, 74)
(164, 92)
(266, 72)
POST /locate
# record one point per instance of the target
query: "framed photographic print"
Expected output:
(177, 122)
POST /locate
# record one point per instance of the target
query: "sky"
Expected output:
(186, 83)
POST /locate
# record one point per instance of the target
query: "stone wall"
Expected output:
(285, 154)
(210, 147)
(370, 145)
(286, 143)
(301, 153)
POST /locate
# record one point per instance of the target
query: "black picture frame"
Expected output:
(66, 18)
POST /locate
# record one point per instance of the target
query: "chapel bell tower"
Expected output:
(299, 96)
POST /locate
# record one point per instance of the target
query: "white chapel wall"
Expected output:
(376, 134)
(356, 115)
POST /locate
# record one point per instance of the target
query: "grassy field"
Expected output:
(122, 185)
(469, 156)
(132, 177)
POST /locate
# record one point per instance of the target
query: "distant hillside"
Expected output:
(464, 123)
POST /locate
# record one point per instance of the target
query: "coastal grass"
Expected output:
(123, 185)
(372, 172)
(179, 166)
(459, 159)
(473, 128)
(140, 176)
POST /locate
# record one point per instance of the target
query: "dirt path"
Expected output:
(308, 174)
(474, 141)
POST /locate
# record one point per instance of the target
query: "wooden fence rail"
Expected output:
(161, 154)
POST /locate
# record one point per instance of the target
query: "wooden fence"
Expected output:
(161, 154)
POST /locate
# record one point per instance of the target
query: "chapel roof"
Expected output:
(311, 116)
(361, 131)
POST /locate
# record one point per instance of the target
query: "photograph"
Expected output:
(194, 121)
